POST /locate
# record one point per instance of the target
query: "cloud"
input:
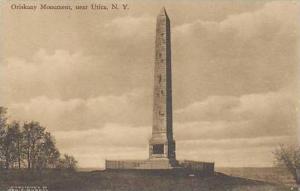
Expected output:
(253, 51)
(117, 141)
(66, 75)
(246, 53)
(233, 152)
(213, 129)
(233, 144)
(247, 116)
(112, 135)
(129, 27)
(112, 141)
(83, 114)
(44, 74)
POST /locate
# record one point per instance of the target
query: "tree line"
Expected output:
(29, 145)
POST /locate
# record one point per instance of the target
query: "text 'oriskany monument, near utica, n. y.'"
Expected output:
(162, 149)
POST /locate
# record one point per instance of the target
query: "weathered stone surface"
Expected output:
(162, 130)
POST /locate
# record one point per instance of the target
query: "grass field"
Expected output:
(267, 174)
(132, 181)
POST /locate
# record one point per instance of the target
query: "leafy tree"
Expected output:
(19, 144)
(47, 153)
(3, 119)
(3, 123)
(33, 136)
(29, 146)
(12, 145)
(39, 146)
(289, 157)
(68, 162)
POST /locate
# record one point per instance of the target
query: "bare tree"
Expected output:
(289, 157)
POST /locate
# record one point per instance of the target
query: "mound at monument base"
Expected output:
(184, 166)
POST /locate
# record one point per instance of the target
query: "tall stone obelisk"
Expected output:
(162, 144)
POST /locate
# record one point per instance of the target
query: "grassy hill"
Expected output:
(130, 181)
(267, 174)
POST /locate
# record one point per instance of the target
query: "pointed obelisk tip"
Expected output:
(163, 11)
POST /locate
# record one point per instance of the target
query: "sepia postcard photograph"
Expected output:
(149, 95)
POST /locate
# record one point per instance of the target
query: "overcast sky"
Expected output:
(87, 76)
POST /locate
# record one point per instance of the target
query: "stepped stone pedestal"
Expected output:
(139, 164)
(179, 167)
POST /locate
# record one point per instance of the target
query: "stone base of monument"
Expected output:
(162, 165)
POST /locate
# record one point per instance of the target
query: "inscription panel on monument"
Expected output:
(158, 149)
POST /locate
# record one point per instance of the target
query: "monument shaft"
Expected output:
(162, 144)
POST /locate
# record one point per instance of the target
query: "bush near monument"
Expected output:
(289, 157)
